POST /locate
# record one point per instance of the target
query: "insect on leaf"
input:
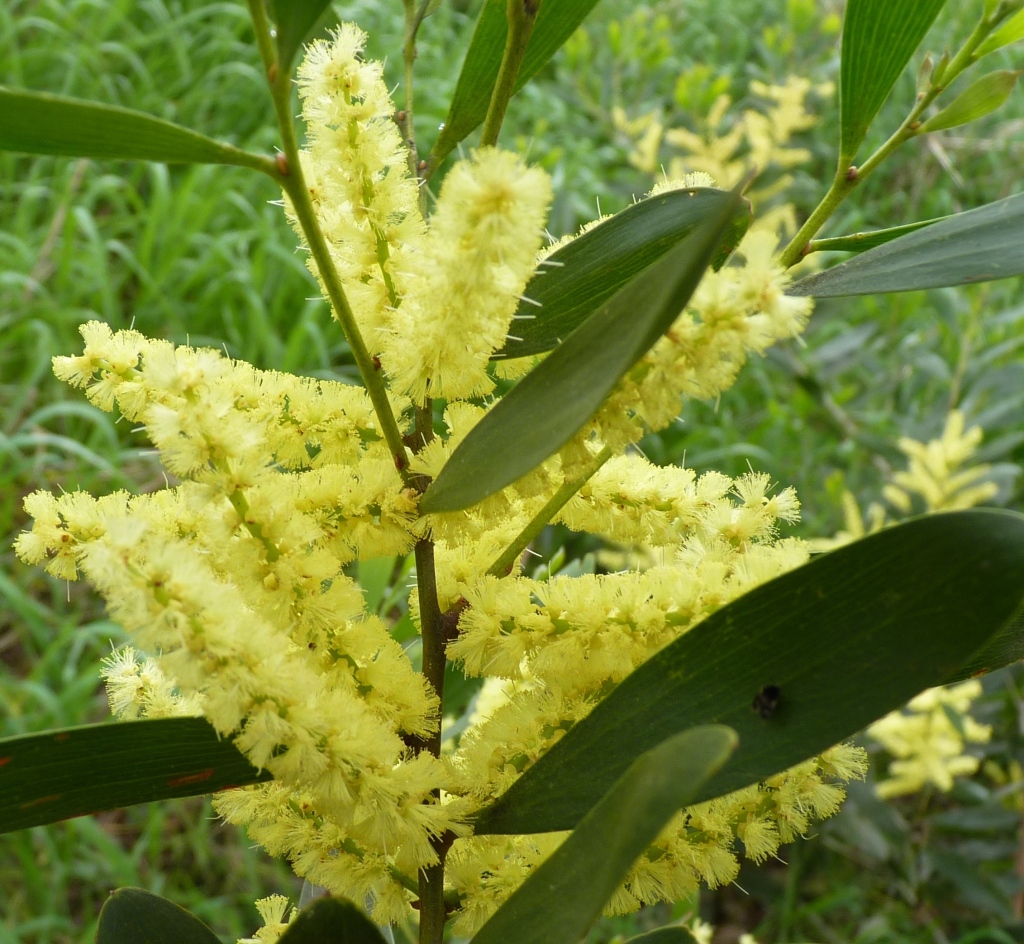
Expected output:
(843, 640)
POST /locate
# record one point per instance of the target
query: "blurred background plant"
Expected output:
(642, 89)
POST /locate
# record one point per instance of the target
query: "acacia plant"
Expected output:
(632, 733)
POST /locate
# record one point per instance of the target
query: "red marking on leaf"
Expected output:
(4, 760)
(39, 801)
(61, 737)
(190, 778)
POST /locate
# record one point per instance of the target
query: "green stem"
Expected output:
(291, 179)
(502, 567)
(848, 177)
(522, 15)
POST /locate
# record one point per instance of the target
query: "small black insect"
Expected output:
(766, 701)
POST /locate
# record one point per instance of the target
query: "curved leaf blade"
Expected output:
(581, 276)
(135, 916)
(294, 18)
(76, 771)
(331, 921)
(40, 123)
(548, 406)
(879, 37)
(981, 245)
(564, 896)
(980, 98)
(847, 638)
(556, 22)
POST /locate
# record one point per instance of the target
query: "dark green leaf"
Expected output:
(76, 771)
(980, 245)
(846, 639)
(980, 98)
(40, 123)
(135, 916)
(331, 921)
(879, 37)
(674, 935)
(582, 275)
(1003, 649)
(295, 19)
(862, 242)
(548, 406)
(565, 895)
(556, 22)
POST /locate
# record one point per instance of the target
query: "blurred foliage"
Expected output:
(200, 254)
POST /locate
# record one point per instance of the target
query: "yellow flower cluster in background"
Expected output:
(725, 147)
(927, 741)
(233, 581)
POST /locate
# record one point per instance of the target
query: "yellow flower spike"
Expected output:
(482, 249)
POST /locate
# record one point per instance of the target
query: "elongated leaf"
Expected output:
(980, 245)
(581, 276)
(862, 242)
(843, 640)
(40, 123)
(557, 398)
(565, 895)
(556, 22)
(331, 921)
(135, 916)
(675, 935)
(879, 37)
(75, 771)
(1003, 649)
(980, 98)
(295, 18)
(1012, 31)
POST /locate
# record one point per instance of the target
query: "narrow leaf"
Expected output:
(844, 640)
(295, 18)
(1012, 31)
(135, 916)
(564, 896)
(556, 22)
(76, 771)
(879, 37)
(580, 277)
(40, 123)
(861, 242)
(980, 98)
(331, 921)
(556, 399)
(980, 245)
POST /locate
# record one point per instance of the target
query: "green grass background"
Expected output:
(201, 255)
